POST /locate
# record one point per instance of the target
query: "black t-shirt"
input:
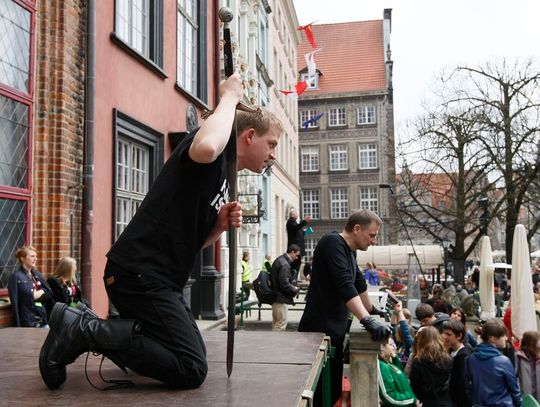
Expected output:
(335, 279)
(175, 218)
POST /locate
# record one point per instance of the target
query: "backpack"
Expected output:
(262, 286)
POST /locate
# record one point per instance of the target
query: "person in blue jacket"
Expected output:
(29, 293)
(490, 379)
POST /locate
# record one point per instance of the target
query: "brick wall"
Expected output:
(59, 130)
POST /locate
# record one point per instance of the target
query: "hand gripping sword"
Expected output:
(226, 16)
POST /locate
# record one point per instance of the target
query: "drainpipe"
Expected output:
(88, 167)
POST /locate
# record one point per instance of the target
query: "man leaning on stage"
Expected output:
(186, 209)
(337, 287)
(283, 287)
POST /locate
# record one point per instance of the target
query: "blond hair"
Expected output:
(261, 121)
(65, 270)
(23, 251)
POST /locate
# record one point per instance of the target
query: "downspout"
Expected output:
(217, 79)
(88, 166)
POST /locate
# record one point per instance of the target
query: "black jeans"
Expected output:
(170, 347)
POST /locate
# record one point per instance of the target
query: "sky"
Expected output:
(431, 35)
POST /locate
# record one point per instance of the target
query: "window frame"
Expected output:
(154, 56)
(344, 151)
(372, 201)
(364, 152)
(363, 111)
(311, 207)
(342, 203)
(200, 93)
(317, 155)
(130, 129)
(309, 113)
(314, 85)
(334, 116)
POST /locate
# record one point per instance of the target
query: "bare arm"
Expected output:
(357, 306)
(212, 137)
(230, 215)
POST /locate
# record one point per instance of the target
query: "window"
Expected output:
(15, 46)
(191, 48)
(305, 115)
(138, 157)
(310, 247)
(139, 23)
(338, 158)
(336, 117)
(313, 82)
(16, 38)
(311, 203)
(263, 40)
(339, 203)
(367, 156)
(310, 159)
(366, 114)
(368, 199)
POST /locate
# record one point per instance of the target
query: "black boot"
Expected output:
(74, 332)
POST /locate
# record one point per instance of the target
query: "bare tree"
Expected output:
(506, 102)
(481, 136)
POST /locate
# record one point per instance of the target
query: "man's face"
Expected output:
(260, 150)
(427, 321)
(451, 341)
(367, 236)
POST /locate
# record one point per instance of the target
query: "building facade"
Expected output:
(349, 151)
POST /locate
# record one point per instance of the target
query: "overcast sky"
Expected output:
(428, 35)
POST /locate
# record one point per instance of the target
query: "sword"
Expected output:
(226, 16)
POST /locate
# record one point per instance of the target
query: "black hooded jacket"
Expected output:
(431, 383)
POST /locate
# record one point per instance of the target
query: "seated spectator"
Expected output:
(63, 282)
(394, 387)
(528, 364)
(371, 274)
(431, 368)
(458, 314)
(489, 375)
(453, 335)
(29, 293)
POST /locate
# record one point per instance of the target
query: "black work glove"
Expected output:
(377, 311)
(379, 331)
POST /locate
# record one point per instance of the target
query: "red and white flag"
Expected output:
(308, 29)
(299, 88)
(310, 61)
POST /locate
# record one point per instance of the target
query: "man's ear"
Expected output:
(249, 135)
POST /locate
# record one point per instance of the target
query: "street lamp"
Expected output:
(446, 245)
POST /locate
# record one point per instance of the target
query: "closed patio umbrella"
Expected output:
(487, 295)
(522, 295)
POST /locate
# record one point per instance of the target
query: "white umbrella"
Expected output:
(535, 254)
(487, 295)
(522, 295)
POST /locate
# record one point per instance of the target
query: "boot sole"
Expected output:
(53, 323)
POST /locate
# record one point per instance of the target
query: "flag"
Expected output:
(308, 29)
(311, 120)
(310, 61)
(299, 88)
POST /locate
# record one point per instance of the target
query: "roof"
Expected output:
(351, 58)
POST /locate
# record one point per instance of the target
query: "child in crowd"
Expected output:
(401, 320)
(528, 364)
(489, 375)
(394, 388)
(431, 368)
(453, 333)
(459, 315)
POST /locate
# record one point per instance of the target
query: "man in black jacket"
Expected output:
(295, 235)
(337, 287)
(283, 287)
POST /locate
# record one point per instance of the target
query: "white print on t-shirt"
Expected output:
(222, 197)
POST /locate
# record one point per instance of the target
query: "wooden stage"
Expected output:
(270, 369)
